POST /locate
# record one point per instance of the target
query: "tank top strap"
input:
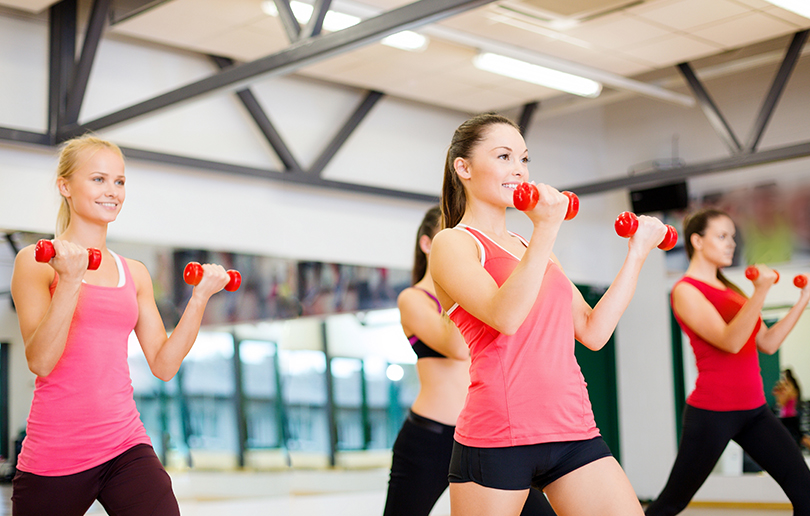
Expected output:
(431, 296)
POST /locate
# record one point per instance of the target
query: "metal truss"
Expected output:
(741, 156)
(68, 84)
(716, 119)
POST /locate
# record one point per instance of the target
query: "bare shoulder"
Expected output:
(411, 297)
(139, 272)
(453, 239)
(25, 264)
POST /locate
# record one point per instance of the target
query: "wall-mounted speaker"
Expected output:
(660, 198)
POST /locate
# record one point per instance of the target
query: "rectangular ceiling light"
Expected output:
(335, 21)
(800, 7)
(406, 40)
(536, 74)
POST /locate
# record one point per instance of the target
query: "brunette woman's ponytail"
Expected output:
(468, 134)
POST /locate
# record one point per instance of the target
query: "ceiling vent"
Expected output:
(555, 14)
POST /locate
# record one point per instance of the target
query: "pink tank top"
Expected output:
(525, 388)
(726, 381)
(83, 413)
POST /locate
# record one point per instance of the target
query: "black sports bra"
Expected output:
(421, 349)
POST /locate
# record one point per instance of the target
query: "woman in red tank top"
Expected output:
(50, 300)
(497, 301)
(728, 402)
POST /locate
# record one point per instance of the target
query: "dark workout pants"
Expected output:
(706, 434)
(419, 470)
(132, 484)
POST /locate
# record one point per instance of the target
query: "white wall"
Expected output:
(400, 145)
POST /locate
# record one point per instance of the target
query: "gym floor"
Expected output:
(304, 493)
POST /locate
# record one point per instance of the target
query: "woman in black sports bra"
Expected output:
(423, 447)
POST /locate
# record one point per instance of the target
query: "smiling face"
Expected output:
(497, 164)
(95, 190)
(717, 245)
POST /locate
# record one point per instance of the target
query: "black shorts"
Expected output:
(521, 467)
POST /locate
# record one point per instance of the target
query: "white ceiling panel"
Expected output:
(617, 31)
(745, 29)
(788, 16)
(687, 14)
(33, 6)
(671, 50)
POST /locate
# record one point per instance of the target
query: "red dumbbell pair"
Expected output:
(44, 251)
(193, 274)
(626, 226)
(752, 273)
(526, 196)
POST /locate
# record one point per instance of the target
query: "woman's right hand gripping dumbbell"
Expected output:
(528, 196)
(650, 230)
(68, 259)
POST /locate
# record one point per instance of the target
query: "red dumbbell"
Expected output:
(526, 197)
(44, 251)
(627, 223)
(800, 280)
(193, 274)
(752, 273)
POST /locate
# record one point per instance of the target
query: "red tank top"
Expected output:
(726, 381)
(525, 388)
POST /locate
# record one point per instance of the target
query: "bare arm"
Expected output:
(45, 320)
(165, 353)
(703, 318)
(593, 327)
(419, 317)
(459, 277)
(769, 340)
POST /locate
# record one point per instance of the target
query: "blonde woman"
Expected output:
(85, 440)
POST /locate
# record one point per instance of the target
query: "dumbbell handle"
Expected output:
(752, 273)
(626, 226)
(44, 251)
(193, 274)
(526, 196)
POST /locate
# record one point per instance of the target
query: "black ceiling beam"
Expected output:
(288, 21)
(526, 115)
(348, 128)
(740, 160)
(785, 70)
(62, 59)
(81, 72)
(710, 109)
(273, 175)
(315, 24)
(19, 136)
(123, 11)
(251, 103)
(299, 54)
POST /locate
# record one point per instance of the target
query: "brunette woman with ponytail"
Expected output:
(728, 402)
(527, 420)
(422, 449)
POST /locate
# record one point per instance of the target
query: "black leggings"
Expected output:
(706, 434)
(132, 484)
(419, 470)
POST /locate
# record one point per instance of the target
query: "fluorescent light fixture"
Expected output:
(332, 22)
(535, 74)
(800, 7)
(406, 40)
